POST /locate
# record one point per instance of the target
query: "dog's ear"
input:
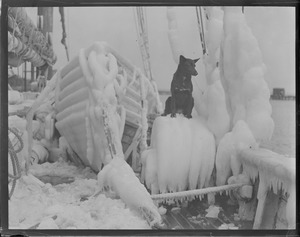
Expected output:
(181, 59)
(196, 60)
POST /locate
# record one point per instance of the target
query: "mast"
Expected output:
(201, 29)
(142, 31)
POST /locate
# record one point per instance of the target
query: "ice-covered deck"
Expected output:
(237, 117)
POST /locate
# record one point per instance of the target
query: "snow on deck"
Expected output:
(64, 204)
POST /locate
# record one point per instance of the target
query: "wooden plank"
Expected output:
(132, 109)
(187, 215)
(129, 130)
(71, 88)
(71, 76)
(270, 211)
(78, 97)
(125, 147)
(131, 124)
(175, 223)
(132, 94)
(126, 139)
(133, 117)
(281, 221)
(259, 211)
(184, 221)
(170, 221)
(133, 144)
(133, 103)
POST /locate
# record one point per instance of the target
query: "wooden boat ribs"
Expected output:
(100, 79)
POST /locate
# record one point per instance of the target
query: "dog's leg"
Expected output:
(189, 108)
(173, 107)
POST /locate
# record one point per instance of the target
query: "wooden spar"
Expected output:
(64, 34)
(201, 29)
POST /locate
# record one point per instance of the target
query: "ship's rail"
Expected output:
(275, 191)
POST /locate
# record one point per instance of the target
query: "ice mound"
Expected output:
(120, 178)
(227, 162)
(218, 120)
(181, 156)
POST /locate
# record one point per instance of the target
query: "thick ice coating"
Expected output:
(120, 178)
(181, 156)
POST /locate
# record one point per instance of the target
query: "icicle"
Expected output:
(274, 185)
(279, 185)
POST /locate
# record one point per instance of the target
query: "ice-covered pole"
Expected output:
(242, 75)
(246, 93)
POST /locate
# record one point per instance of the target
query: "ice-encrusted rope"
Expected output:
(196, 192)
(107, 131)
(144, 103)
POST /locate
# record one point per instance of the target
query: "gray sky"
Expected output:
(274, 28)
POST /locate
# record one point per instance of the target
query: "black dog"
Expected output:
(181, 99)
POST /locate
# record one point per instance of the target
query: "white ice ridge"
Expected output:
(227, 162)
(242, 75)
(120, 178)
(181, 156)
